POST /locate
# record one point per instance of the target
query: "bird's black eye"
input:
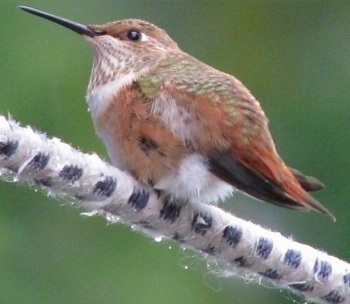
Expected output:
(134, 35)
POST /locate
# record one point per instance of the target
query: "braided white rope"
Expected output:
(240, 246)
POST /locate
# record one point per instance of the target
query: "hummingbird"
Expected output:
(179, 125)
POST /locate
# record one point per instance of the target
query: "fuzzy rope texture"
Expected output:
(240, 247)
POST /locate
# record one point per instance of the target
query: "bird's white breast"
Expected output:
(192, 180)
(99, 98)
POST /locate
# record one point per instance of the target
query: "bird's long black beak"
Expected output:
(74, 26)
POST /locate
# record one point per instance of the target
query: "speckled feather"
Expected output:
(161, 112)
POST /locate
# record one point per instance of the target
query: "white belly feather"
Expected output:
(195, 182)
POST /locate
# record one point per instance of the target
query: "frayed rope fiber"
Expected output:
(240, 247)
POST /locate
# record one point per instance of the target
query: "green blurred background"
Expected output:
(295, 58)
